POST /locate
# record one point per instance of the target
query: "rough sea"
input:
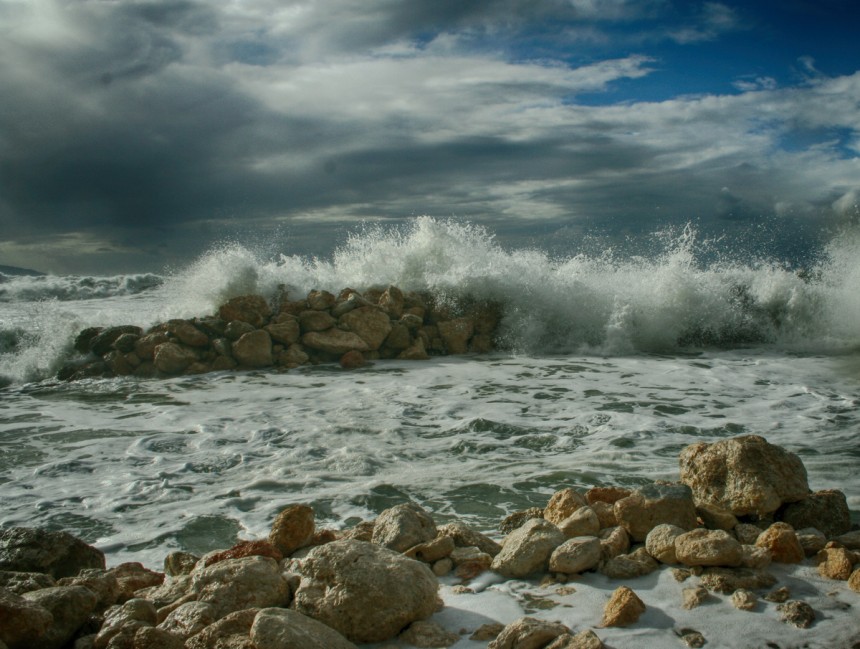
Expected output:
(609, 367)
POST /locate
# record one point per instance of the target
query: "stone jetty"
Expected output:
(741, 504)
(251, 332)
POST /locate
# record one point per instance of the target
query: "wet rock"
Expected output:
(654, 505)
(835, 563)
(23, 582)
(320, 300)
(179, 563)
(284, 329)
(562, 504)
(744, 600)
(470, 562)
(252, 309)
(716, 518)
(826, 511)
(172, 358)
(258, 548)
(230, 632)
(703, 547)
(131, 577)
(629, 566)
(811, 540)
(692, 638)
(728, 580)
(747, 534)
(292, 529)
(854, 581)
(456, 334)
(755, 557)
(103, 342)
(608, 495)
(23, 623)
(352, 360)
(126, 620)
(582, 522)
(371, 324)
(101, 583)
(583, 640)
(187, 333)
(527, 633)
(236, 329)
(694, 597)
(428, 634)
(415, 352)
(237, 584)
(576, 555)
(433, 550)
(315, 321)
(782, 543)
(188, 619)
(464, 537)
(850, 540)
(605, 514)
(779, 595)
(518, 519)
(485, 632)
(796, 612)
(24, 549)
(623, 608)
(254, 349)
(366, 592)
(613, 542)
(528, 548)
(398, 338)
(743, 475)
(335, 341)
(403, 526)
(660, 542)
(277, 628)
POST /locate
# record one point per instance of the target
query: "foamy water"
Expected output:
(612, 367)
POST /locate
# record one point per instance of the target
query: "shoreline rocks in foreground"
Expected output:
(741, 505)
(249, 332)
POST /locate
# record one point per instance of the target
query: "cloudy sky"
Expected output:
(134, 134)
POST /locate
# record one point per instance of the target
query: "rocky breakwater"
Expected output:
(251, 332)
(719, 530)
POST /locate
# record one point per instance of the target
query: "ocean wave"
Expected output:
(23, 288)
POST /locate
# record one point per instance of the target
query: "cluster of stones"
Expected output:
(741, 504)
(250, 332)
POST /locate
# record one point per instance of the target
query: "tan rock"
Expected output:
(237, 584)
(335, 341)
(188, 619)
(131, 576)
(518, 519)
(23, 623)
(485, 632)
(456, 334)
(320, 300)
(371, 324)
(583, 640)
(629, 566)
(252, 309)
(782, 542)
(755, 557)
(187, 333)
(292, 356)
(278, 628)
(811, 540)
(428, 634)
(254, 349)
(433, 550)
(352, 360)
(693, 597)
(623, 608)
(392, 302)
(728, 580)
(797, 613)
(464, 537)
(171, 358)
(445, 566)
(826, 511)
(315, 321)
(716, 518)
(101, 583)
(403, 526)
(259, 547)
(125, 619)
(660, 542)
(747, 534)
(576, 555)
(562, 504)
(703, 547)
(415, 352)
(145, 346)
(744, 475)
(236, 329)
(835, 563)
(230, 632)
(179, 563)
(528, 548)
(606, 494)
(284, 329)
(527, 633)
(613, 542)
(744, 600)
(582, 522)
(364, 591)
(292, 529)
(854, 581)
(605, 513)
(652, 505)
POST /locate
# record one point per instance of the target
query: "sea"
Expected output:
(608, 365)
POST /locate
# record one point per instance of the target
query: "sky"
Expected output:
(135, 135)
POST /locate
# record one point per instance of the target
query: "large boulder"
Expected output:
(371, 324)
(576, 555)
(237, 584)
(279, 628)
(528, 548)
(70, 607)
(654, 505)
(403, 526)
(826, 511)
(59, 554)
(254, 349)
(744, 475)
(364, 591)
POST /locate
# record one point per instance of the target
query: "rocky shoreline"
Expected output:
(741, 505)
(250, 332)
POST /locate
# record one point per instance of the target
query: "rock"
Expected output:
(623, 608)
(403, 526)
(835, 563)
(187, 333)
(456, 334)
(103, 342)
(465, 537)
(428, 634)
(779, 595)
(292, 529)
(24, 549)
(653, 505)
(744, 600)
(489, 631)
(230, 632)
(629, 566)
(284, 329)
(415, 352)
(254, 349)
(716, 518)
(528, 548)
(850, 540)
(23, 582)
(562, 504)
(149, 638)
(371, 324)
(527, 633)
(276, 628)
(692, 638)
(23, 623)
(755, 557)
(576, 555)
(320, 300)
(444, 566)
(125, 619)
(826, 511)
(518, 519)
(172, 358)
(811, 540)
(392, 302)
(470, 562)
(433, 550)
(743, 475)
(609, 495)
(728, 580)
(101, 583)
(179, 563)
(854, 581)
(582, 522)
(236, 584)
(703, 547)
(693, 597)
(798, 613)
(352, 360)
(293, 356)
(583, 640)
(252, 309)
(244, 549)
(746, 533)
(398, 338)
(605, 513)
(660, 542)
(335, 341)
(188, 619)
(315, 321)
(366, 592)
(613, 542)
(782, 542)
(131, 577)
(236, 329)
